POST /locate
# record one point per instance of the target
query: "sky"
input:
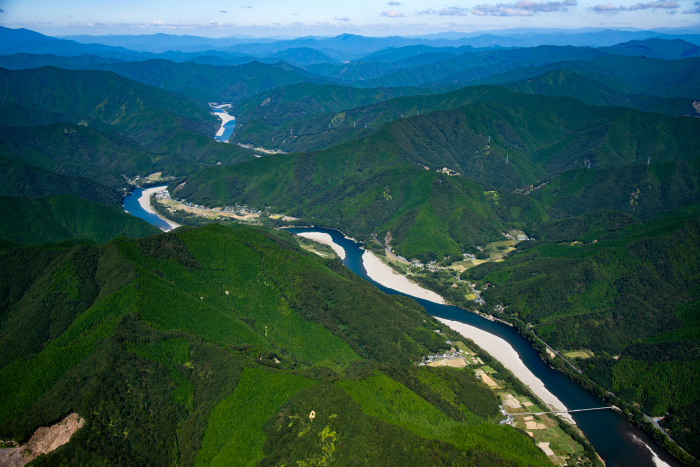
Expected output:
(267, 18)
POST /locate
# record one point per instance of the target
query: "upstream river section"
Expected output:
(228, 124)
(619, 443)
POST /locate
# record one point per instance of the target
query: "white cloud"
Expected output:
(522, 8)
(449, 11)
(610, 9)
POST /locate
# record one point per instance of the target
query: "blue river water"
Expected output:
(132, 206)
(619, 442)
(228, 128)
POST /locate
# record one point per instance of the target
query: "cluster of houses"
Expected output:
(444, 170)
(239, 210)
(453, 357)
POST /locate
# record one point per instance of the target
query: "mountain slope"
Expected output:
(56, 218)
(206, 345)
(569, 83)
(627, 294)
(101, 124)
(212, 83)
(102, 99)
(502, 140)
(20, 179)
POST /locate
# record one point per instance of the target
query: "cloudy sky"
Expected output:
(221, 18)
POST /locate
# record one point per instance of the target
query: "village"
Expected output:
(518, 410)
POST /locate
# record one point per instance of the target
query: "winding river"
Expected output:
(228, 122)
(618, 442)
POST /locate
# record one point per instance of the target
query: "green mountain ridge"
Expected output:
(626, 292)
(60, 217)
(102, 125)
(205, 345)
(569, 83)
(502, 140)
(20, 179)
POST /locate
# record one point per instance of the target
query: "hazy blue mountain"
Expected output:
(393, 54)
(301, 56)
(23, 61)
(158, 43)
(478, 64)
(626, 74)
(675, 49)
(25, 41)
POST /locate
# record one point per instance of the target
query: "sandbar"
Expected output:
(225, 118)
(384, 274)
(502, 351)
(145, 202)
(325, 239)
(498, 347)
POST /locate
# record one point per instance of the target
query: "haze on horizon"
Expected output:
(226, 18)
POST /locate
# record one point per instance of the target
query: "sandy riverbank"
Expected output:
(497, 347)
(388, 277)
(502, 351)
(325, 239)
(145, 202)
(225, 118)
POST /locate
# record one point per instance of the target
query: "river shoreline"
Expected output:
(497, 347)
(144, 201)
(617, 432)
(324, 239)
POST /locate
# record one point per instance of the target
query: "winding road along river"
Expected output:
(618, 442)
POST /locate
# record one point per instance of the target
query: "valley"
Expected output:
(543, 201)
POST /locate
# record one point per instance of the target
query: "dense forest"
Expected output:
(209, 344)
(218, 342)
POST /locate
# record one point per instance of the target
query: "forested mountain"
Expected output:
(200, 82)
(202, 346)
(102, 125)
(570, 83)
(62, 217)
(624, 290)
(628, 75)
(502, 140)
(21, 179)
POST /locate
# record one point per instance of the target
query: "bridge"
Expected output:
(609, 407)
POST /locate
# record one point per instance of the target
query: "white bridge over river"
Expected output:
(609, 407)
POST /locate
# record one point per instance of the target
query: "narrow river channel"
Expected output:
(618, 442)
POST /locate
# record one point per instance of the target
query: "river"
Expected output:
(228, 122)
(138, 204)
(618, 441)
